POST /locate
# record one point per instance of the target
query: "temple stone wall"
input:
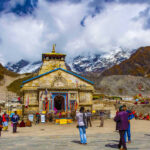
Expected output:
(85, 97)
(51, 65)
(33, 97)
(31, 110)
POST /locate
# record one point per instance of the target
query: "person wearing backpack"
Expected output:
(82, 125)
(121, 120)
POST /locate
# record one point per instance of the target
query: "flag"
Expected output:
(77, 83)
(41, 95)
(46, 104)
(51, 101)
(46, 92)
(19, 99)
(27, 102)
(76, 106)
(55, 111)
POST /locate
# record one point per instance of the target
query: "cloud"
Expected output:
(74, 29)
(112, 28)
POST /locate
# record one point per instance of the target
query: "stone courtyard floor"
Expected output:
(54, 137)
(105, 141)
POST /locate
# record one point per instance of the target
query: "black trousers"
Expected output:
(89, 121)
(101, 121)
(14, 127)
(122, 139)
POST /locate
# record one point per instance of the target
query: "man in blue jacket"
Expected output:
(128, 131)
(15, 119)
(122, 125)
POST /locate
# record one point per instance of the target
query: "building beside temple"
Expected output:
(55, 88)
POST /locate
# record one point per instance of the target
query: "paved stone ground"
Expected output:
(140, 141)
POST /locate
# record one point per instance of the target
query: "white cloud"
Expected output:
(27, 37)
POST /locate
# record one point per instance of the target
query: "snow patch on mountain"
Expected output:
(99, 62)
(23, 66)
(33, 67)
(80, 64)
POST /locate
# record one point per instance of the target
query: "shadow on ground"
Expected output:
(77, 142)
(112, 146)
(147, 134)
(114, 141)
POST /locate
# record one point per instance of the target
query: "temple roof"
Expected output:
(72, 73)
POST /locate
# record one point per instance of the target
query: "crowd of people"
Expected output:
(123, 125)
(4, 120)
(142, 116)
(122, 119)
(142, 101)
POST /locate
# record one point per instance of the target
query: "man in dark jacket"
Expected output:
(15, 119)
(89, 115)
(122, 125)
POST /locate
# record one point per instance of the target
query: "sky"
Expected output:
(29, 28)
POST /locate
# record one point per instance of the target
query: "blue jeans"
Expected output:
(82, 132)
(128, 133)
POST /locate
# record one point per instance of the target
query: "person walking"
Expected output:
(15, 119)
(1, 124)
(89, 115)
(5, 121)
(128, 131)
(82, 125)
(122, 125)
(102, 117)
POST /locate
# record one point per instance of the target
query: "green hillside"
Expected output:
(15, 86)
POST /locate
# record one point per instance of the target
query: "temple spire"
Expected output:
(53, 50)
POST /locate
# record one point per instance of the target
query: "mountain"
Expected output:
(137, 65)
(123, 85)
(80, 64)
(4, 71)
(99, 62)
(24, 66)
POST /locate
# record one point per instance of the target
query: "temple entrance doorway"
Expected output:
(59, 103)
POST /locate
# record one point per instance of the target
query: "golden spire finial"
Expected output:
(53, 50)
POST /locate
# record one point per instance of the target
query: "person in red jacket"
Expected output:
(147, 117)
(5, 121)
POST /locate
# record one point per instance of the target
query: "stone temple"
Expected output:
(55, 88)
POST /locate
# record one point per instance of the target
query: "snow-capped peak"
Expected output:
(80, 64)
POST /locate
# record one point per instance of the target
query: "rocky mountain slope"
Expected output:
(123, 85)
(6, 77)
(138, 64)
(4, 71)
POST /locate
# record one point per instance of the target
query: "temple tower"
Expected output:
(52, 61)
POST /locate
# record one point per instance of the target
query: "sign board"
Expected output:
(31, 117)
(43, 118)
(63, 121)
